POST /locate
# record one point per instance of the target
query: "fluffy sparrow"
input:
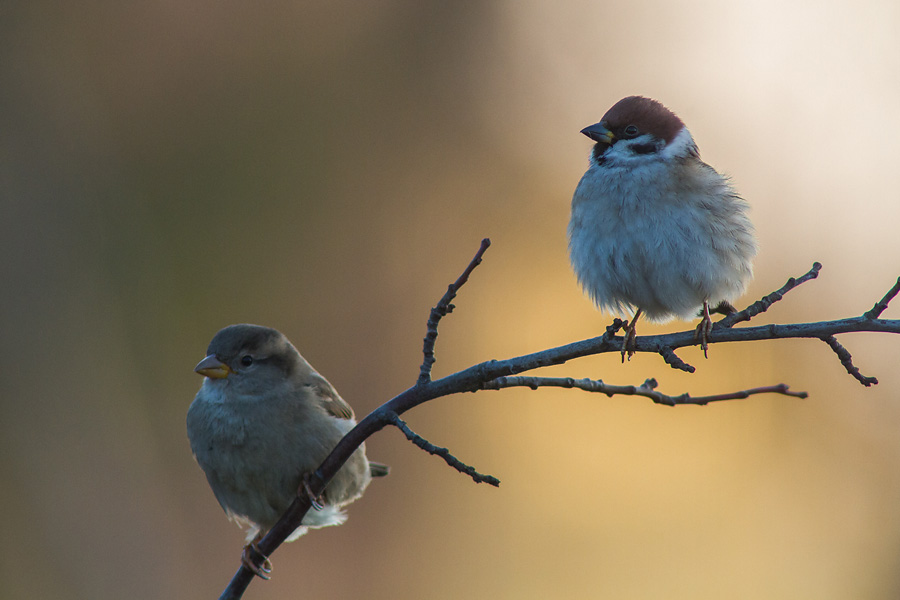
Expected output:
(262, 421)
(654, 230)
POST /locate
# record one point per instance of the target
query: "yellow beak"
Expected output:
(213, 368)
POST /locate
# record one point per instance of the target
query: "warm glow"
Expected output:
(343, 161)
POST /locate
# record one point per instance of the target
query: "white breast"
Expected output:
(661, 239)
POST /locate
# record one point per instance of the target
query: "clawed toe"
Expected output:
(628, 344)
(703, 329)
(253, 558)
(317, 502)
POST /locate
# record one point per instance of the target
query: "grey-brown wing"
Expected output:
(329, 399)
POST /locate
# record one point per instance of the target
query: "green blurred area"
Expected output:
(327, 169)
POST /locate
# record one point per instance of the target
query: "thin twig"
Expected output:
(444, 453)
(762, 305)
(646, 389)
(883, 303)
(674, 360)
(847, 361)
(442, 308)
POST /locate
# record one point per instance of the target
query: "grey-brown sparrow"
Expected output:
(654, 230)
(262, 421)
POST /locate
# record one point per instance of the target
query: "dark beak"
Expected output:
(599, 133)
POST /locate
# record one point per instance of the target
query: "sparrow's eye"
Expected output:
(631, 131)
(246, 360)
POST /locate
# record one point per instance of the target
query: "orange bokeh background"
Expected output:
(327, 169)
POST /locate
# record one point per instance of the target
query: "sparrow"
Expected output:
(654, 230)
(261, 423)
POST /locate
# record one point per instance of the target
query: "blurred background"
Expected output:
(169, 168)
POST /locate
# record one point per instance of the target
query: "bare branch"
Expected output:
(443, 453)
(489, 373)
(847, 361)
(441, 310)
(646, 389)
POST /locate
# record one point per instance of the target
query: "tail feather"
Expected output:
(378, 469)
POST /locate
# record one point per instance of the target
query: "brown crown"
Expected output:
(648, 115)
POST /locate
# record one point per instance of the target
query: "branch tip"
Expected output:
(847, 360)
(441, 310)
(674, 361)
(444, 453)
(883, 303)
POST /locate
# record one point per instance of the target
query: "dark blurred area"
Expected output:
(167, 169)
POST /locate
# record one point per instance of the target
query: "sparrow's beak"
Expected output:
(213, 368)
(599, 133)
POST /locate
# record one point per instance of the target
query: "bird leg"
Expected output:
(317, 502)
(253, 558)
(704, 328)
(630, 333)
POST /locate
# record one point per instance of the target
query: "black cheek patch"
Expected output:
(598, 152)
(643, 148)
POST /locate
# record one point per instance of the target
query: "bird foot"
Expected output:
(253, 558)
(317, 502)
(703, 329)
(628, 344)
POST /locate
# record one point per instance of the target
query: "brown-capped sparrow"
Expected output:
(262, 421)
(655, 230)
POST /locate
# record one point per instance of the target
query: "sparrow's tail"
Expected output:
(378, 469)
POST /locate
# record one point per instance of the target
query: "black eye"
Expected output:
(631, 131)
(246, 360)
